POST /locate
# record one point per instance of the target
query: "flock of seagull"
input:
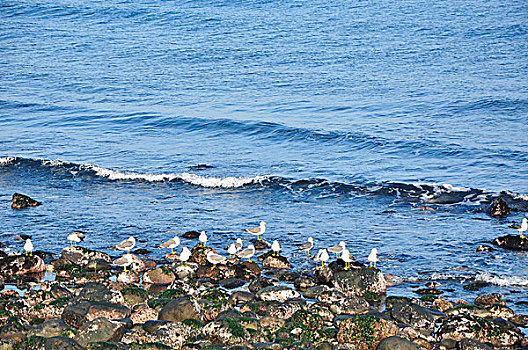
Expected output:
(236, 248)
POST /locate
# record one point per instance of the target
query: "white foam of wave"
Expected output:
(53, 162)
(502, 281)
(203, 181)
(6, 160)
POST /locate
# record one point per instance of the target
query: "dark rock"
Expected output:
(241, 296)
(152, 326)
(158, 303)
(304, 282)
(180, 309)
(19, 265)
(13, 327)
(59, 291)
(323, 275)
(141, 251)
(99, 292)
(413, 315)
(161, 275)
(512, 242)
(484, 248)
(20, 201)
(82, 256)
(199, 254)
(191, 235)
(489, 299)
(313, 292)
(49, 328)
(100, 330)
(260, 283)
(246, 270)
(473, 286)
(359, 281)
(396, 343)
(428, 291)
(277, 293)
(330, 296)
(232, 283)
(97, 265)
(276, 262)
(472, 344)
(61, 343)
(498, 208)
(260, 244)
(79, 312)
(281, 310)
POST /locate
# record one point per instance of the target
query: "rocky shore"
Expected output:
(90, 304)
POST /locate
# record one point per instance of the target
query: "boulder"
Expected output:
(489, 299)
(226, 331)
(350, 306)
(246, 270)
(276, 262)
(396, 343)
(79, 312)
(21, 265)
(260, 283)
(160, 275)
(330, 296)
(128, 277)
(232, 283)
(99, 292)
(83, 256)
(472, 344)
(240, 297)
(360, 281)
(49, 328)
(323, 275)
(304, 282)
(100, 330)
(135, 295)
(20, 201)
(412, 315)
(62, 343)
(511, 242)
(313, 292)
(199, 254)
(277, 293)
(180, 309)
(365, 332)
(482, 248)
(282, 310)
(191, 235)
(498, 208)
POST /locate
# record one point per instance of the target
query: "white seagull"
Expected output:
(337, 249)
(203, 238)
(306, 246)
(247, 253)
(347, 258)
(124, 261)
(28, 247)
(185, 255)
(171, 244)
(257, 231)
(322, 257)
(127, 244)
(276, 247)
(524, 227)
(373, 257)
(232, 250)
(214, 259)
(239, 244)
(76, 236)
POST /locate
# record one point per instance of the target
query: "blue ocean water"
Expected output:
(331, 119)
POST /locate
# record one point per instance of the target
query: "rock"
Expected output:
(498, 208)
(142, 314)
(20, 201)
(489, 299)
(62, 343)
(160, 275)
(442, 304)
(99, 292)
(511, 242)
(180, 309)
(135, 295)
(232, 283)
(276, 262)
(7, 344)
(246, 270)
(226, 332)
(303, 282)
(21, 265)
(49, 328)
(466, 326)
(83, 256)
(365, 331)
(484, 248)
(14, 328)
(59, 291)
(240, 297)
(330, 296)
(282, 310)
(396, 343)
(100, 330)
(308, 319)
(313, 292)
(191, 235)
(260, 244)
(260, 283)
(153, 325)
(412, 315)
(323, 275)
(97, 265)
(359, 281)
(199, 254)
(350, 306)
(428, 291)
(138, 265)
(472, 344)
(474, 286)
(272, 323)
(185, 272)
(277, 293)
(128, 277)
(79, 312)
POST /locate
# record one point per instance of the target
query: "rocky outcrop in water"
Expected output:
(498, 208)
(511, 242)
(20, 201)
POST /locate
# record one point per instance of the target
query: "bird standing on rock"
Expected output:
(28, 247)
(247, 253)
(322, 257)
(347, 258)
(524, 227)
(257, 231)
(185, 255)
(203, 238)
(306, 246)
(214, 259)
(337, 249)
(124, 261)
(76, 236)
(276, 247)
(373, 257)
(127, 244)
(171, 243)
(239, 244)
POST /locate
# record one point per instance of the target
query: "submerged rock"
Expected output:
(20, 201)
(511, 242)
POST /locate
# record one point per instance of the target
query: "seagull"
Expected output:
(257, 231)
(248, 252)
(322, 256)
(28, 247)
(185, 255)
(76, 236)
(276, 247)
(125, 260)
(232, 250)
(373, 257)
(307, 245)
(239, 244)
(347, 258)
(214, 259)
(171, 243)
(203, 238)
(127, 244)
(524, 227)
(337, 249)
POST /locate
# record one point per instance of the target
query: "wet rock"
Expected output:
(330, 296)
(501, 311)
(277, 293)
(303, 282)
(97, 265)
(260, 283)
(323, 275)
(273, 323)
(365, 331)
(100, 330)
(489, 299)
(428, 291)
(185, 272)
(484, 249)
(309, 319)
(82, 256)
(79, 312)
(180, 309)
(511, 242)
(472, 344)
(246, 270)
(413, 315)
(191, 235)
(21, 265)
(474, 286)
(498, 208)
(282, 310)
(465, 326)
(260, 244)
(226, 332)
(313, 292)
(20, 201)
(134, 295)
(160, 275)
(49, 328)
(199, 254)
(232, 283)
(396, 343)
(99, 292)
(276, 262)
(359, 281)
(240, 297)
(350, 306)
